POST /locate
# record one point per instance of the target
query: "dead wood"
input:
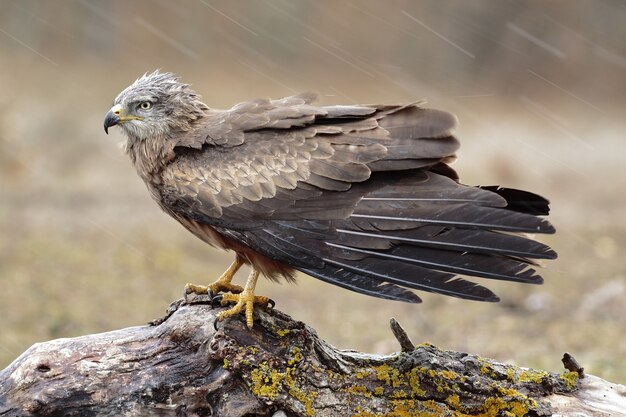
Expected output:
(182, 366)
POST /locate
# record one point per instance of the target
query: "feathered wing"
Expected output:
(358, 196)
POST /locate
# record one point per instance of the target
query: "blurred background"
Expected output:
(539, 88)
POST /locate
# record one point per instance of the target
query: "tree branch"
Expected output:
(182, 366)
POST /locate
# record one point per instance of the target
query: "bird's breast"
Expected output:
(270, 268)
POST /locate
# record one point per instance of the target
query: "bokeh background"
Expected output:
(539, 88)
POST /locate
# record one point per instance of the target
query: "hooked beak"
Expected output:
(112, 117)
(116, 116)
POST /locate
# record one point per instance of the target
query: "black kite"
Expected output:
(358, 196)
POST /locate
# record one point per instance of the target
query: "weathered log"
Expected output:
(183, 366)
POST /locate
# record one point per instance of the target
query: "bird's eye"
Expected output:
(145, 105)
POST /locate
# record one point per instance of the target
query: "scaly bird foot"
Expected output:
(212, 289)
(245, 300)
(221, 285)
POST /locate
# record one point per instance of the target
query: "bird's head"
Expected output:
(155, 105)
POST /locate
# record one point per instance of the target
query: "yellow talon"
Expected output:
(221, 285)
(244, 300)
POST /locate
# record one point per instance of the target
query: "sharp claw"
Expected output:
(216, 301)
(271, 303)
(215, 323)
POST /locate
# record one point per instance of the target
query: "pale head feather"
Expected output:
(175, 107)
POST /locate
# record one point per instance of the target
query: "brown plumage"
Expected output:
(358, 196)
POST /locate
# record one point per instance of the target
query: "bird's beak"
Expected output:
(112, 118)
(116, 116)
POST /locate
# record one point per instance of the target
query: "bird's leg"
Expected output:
(244, 300)
(221, 285)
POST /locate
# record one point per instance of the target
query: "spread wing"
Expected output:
(358, 196)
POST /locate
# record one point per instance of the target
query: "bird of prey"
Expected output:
(359, 196)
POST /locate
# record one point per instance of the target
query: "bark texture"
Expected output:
(182, 366)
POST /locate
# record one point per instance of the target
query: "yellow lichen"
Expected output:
(226, 363)
(297, 355)
(509, 402)
(445, 374)
(487, 369)
(516, 375)
(396, 394)
(361, 373)
(531, 375)
(406, 408)
(359, 390)
(570, 379)
(306, 398)
(404, 389)
(510, 374)
(390, 375)
(362, 413)
(269, 383)
(449, 374)
(432, 409)
(266, 382)
(282, 332)
(497, 406)
(414, 382)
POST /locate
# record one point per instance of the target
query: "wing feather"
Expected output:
(357, 196)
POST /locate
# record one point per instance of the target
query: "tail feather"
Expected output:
(441, 237)
(478, 265)
(418, 278)
(362, 284)
(457, 215)
(521, 201)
